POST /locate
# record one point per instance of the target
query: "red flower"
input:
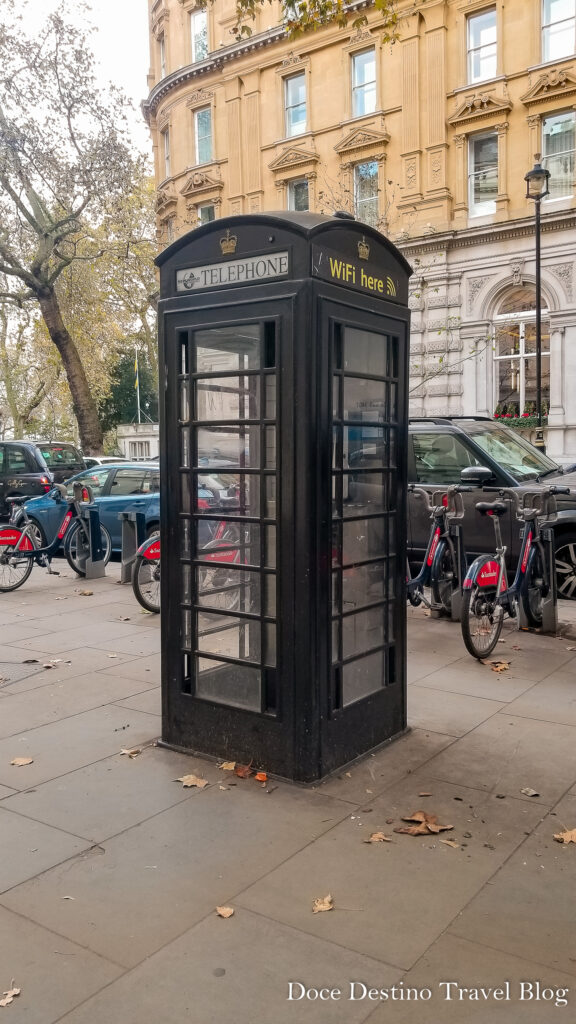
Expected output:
(525, 413)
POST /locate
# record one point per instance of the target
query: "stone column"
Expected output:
(502, 197)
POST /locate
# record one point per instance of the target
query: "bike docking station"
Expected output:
(133, 526)
(284, 340)
(90, 553)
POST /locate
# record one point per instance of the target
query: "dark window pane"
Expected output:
(228, 398)
(363, 539)
(229, 636)
(362, 677)
(365, 352)
(238, 686)
(228, 588)
(228, 446)
(362, 631)
(363, 584)
(225, 349)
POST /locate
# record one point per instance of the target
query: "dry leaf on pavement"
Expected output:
(132, 753)
(224, 911)
(450, 842)
(227, 766)
(423, 824)
(261, 777)
(243, 771)
(192, 780)
(86, 593)
(528, 791)
(378, 837)
(19, 762)
(566, 837)
(499, 666)
(322, 903)
(10, 994)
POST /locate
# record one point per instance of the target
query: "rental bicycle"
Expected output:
(18, 546)
(488, 596)
(444, 563)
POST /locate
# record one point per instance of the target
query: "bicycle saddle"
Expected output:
(495, 508)
(18, 501)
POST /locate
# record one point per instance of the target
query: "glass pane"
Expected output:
(225, 349)
(186, 630)
(270, 388)
(270, 452)
(184, 402)
(336, 398)
(364, 446)
(185, 447)
(296, 105)
(232, 543)
(228, 398)
(235, 685)
(238, 493)
(270, 645)
(270, 554)
(336, 628)
(270, 492)
(362, 631)
(228, 588)
(270, 595)
(364, 352)
(229, 636)
(185, 492)
(364, 399)
(185, 537)
(362, 677)
(363, 584)
(367, 492)
(298, 196)
(228, 446)
(336, 592)
(363, 539)
(186, 584)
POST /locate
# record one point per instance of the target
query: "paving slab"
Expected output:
(398, 897)
(61, 747)
(141, 641)
(530, 907)
(28, 847)
(453, 964)
(235, 971)
(148, 885)
(5, 791)
(99, 634)
(507, 754)
(429, 709)
(147, 667)
(149, 701)
(553, 700)
(19, 677)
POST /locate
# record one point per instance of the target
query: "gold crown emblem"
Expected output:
(363, 249)
(229, 243)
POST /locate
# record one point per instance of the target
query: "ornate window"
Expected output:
(558, 145)
(162, 54)
(366, 192)
(295, 105)
(165, 135)
(203, 135)
(558, 29)
(482, 173)
(363, 83)
(482, 46)
(298, 194)
(206, 212)
(514, 331)
(199, 35)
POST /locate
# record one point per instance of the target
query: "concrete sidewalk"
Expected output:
(110, 871)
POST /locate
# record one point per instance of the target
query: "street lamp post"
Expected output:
(536, 188)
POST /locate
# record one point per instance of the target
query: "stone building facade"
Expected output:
(428, 139)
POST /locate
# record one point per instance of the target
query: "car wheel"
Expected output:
(566, 566)
(37, 533)
(153, 530)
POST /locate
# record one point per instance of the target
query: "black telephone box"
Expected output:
(283, 424)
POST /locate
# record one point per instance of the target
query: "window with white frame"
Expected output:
(366, 192)
(166, 151)
(199, 35)
(558, 29)
(298, 195)
(162, 52)
(482, 174)
(481, 45)
(363, 83)
(206, 212)
(514, 332)
(558, 145)
(203, 135)
(139, 449)
(295, 105)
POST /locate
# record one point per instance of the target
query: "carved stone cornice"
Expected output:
(362, 138)
(551, 85)
(200, 182)
(199, 97)
(293, 157)
(477, 107)
(166, 201)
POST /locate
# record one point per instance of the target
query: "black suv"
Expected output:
(23, 471)
(62, 458)
(438, 451)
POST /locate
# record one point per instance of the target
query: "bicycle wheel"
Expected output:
(534, 588)
(444, 579)
(481, 621)
(222, 588)
(15, 566)
(146, 582)
(72, 547)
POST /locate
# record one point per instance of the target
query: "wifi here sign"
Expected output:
(354, 273)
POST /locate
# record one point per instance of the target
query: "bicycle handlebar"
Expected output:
(529, 503)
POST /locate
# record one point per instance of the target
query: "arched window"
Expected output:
(514, 332)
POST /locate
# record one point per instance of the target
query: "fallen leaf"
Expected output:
(225, 788)
(193, 780)
(378, 837)
(450, 842)
(86, 593)
(424, 794)
(566, 837)
(19, 762)
(225, 911)
(124, 618)
(423, 824)
(133, 752)
(499, 666)
(322, 903)
(67, 897)
(261, 777)
(228, 766)
(30, 661)
(571, 648)
(529, 792)
(10, 994)
(112, 655)
(48, 665)
(243, 771)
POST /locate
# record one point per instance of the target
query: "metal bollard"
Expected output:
(91, 553)
(133, 535)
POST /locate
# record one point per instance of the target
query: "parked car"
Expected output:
(23, 471)
(62, 458)
(440, 448)
(122, 487)
(102, 460)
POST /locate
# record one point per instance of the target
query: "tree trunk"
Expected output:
(85, 409)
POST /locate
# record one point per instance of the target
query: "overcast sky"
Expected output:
(120, 45)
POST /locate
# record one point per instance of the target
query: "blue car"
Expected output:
(125, 487)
